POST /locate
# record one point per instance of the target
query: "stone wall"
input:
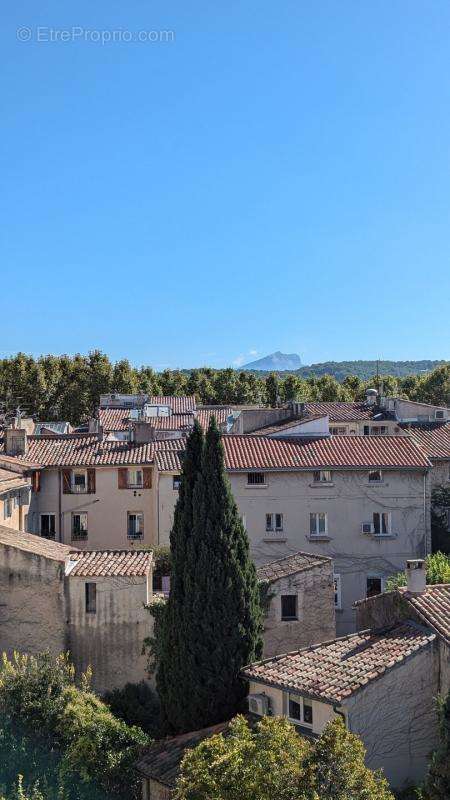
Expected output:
(316, 622)
(33, 603)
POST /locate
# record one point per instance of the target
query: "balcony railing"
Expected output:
(77, 488)
(135, 535)
(78, 536)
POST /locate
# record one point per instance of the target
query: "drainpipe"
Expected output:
(425, 519)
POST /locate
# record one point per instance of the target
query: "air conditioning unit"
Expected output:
(258, 704)
(367, 527)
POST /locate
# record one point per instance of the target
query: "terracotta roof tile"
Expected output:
(220, 413)
(117, 419)
(35, 544)
(433, 606)
(340, 412)
(337, 669)
(91, 563)
(74, 450)
(162, 760)
(290, 565)
(433, 438)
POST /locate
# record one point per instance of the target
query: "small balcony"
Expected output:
(79, 536)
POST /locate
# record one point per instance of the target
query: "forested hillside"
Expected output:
(68, 388)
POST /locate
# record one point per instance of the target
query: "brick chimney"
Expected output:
(416, 576)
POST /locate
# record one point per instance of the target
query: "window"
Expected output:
(135, 525)
(337, 591)
(91, 598)
(274, 522)
(289, 606)
(135, 478)
(374, 586)
(439, 414)
(7, 507)
(338, 431)
(176, 482)
(79, 481)
(79, 526)
(322, 476)
(379, 430)
(375, 476)
(317, 524)
(300, 710)
(255, 479)
(381, 522)
(47, 527)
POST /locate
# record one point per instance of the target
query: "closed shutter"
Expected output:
(122, 479)
(36, 481)
(91, 481)
(147, 474)
(67, 487)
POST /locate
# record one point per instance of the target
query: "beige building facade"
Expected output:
(91, 604)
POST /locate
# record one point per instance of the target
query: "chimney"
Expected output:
(16, 441)
(416, 575)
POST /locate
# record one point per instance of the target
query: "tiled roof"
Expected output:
(11, 480)
(433, 438)
(221, 413)
(290, 565)
(340, 412)
(185, 404)
(250, 452)
(117, 419)
(110, 563)
(161, 762)
(337, 669)
(75, 450)
(11, 462)
(433, 606)
(35, 544)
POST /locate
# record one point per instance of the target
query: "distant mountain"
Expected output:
(277, 362)
(340, 369)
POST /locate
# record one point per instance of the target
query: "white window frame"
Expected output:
(338, 430)
(337, 591)
(316, 515)
(296, 698)
(325, 476)
(140, 533)
(271, 522)
(47, 514)
(441, 413)
(176, 482)
(382, 514)
(375, 472)
(132, 478)
(378, 430)
(76, 489)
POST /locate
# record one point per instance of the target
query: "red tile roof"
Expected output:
(268, 430)
(433, 439)
(37, 545)
(109, 563)
(290, 565)
(221, 414)
(117, 419)
(337, 669)
(433, 606)
(251, 452)
(340, 412)
(161, 762)
(80, 450)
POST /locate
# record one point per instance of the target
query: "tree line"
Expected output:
(68, 387)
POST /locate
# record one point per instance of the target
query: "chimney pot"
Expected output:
(416, 575)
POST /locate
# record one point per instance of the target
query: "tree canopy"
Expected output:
(272, 761)
(438, 571)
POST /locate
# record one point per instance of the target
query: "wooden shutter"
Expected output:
(147, 477)
(91, 481)
(122, 478)
(67, 487)
(36, 481)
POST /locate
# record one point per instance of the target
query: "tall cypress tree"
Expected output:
(172, 680)
(214, 620)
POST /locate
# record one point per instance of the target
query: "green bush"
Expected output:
(60, 736)
(135, 704)
(438, 571)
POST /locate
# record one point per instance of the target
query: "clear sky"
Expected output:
(268, 176)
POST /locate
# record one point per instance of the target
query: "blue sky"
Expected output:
(277, 176)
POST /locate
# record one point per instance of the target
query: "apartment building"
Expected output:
(16, 480)
(362, 501)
